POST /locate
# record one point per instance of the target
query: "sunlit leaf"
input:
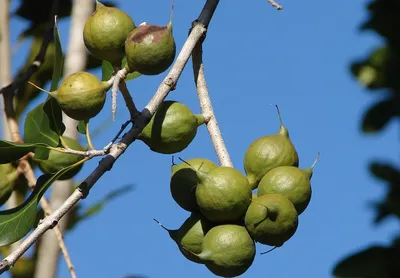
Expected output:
(106, 70)
(39, 128)
(11, 151)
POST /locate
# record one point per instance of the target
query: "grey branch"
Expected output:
(117, 149)
(207, 109)
(275, 5)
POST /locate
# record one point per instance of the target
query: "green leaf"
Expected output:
(107, 71)
(11, 151)
(53, 112)
(82, 127)
(39, 128)
(132, 75)
(385, 171)
(58, 61)
(369, 263)
(379, 115)
(15, 223)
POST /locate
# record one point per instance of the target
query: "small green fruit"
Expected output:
(8, 177)
(171, 129)
(291, 182)
(228, 250)
(269, 152)
(81, 95)
(184, 181)
(105, 33)
(189, 237)
(223, 194)
(271, 219)
(150, 49)
(59, 160)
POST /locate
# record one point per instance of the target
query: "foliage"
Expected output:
(43, 127)
(378, 73)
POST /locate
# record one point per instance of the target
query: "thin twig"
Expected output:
(128, 100)
(117, 149)
(207, 109)
(275, 5)
(88, 153)
(109, 145)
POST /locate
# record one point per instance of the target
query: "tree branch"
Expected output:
(206, 107)
(275, 5)
(117, 149)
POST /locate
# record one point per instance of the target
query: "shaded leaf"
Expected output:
(15, 223)
(38, 11)
(59, 59)
(369, 263)
(385, 171)
(11, 151)
(82, 127)
(379, 115)
(8, 176)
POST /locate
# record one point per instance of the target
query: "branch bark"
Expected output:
(75, 60)
(207, 109)
(117, 149)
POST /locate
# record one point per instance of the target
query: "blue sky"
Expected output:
(254, 56)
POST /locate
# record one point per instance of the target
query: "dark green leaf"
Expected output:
(11, 151)
(385, 171)
(15, 223)
(82, 127)
(39, 128)
(379, 115)
(53, 112)
(106, 70)
(369, 263)
(58, 61)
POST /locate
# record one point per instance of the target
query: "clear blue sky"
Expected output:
(254, 56)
